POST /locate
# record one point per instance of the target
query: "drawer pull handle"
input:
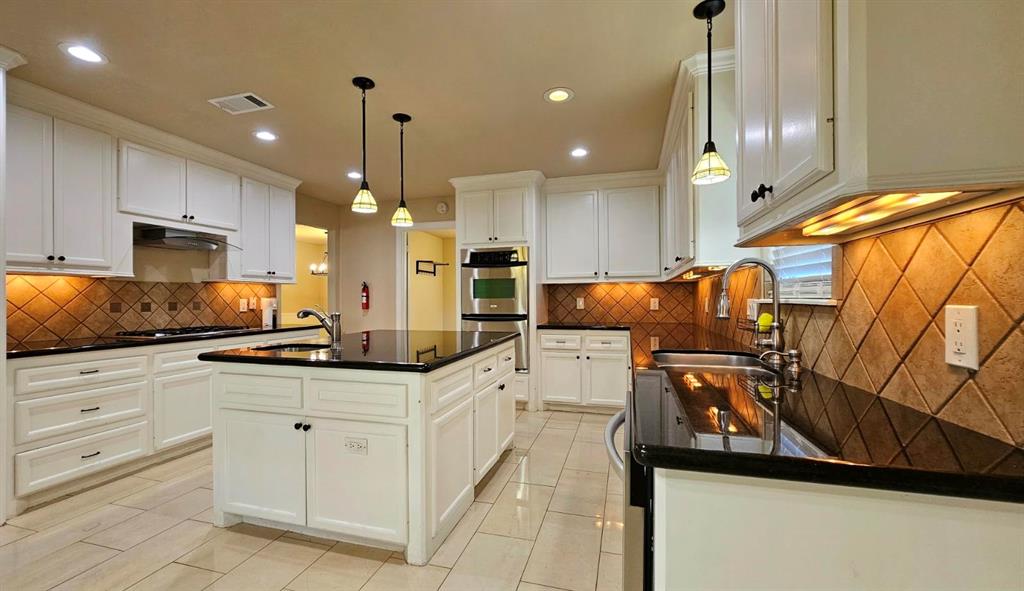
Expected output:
(487, 369)
(508, 359)
(90, 409)
(606, 342)
(86, 372)
(560, 342)
(92, 455)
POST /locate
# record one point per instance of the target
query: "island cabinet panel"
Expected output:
(485, 406)
(356, 479)
(451, 389)
(257, 390)
(261, 459)
(358, 397)
(450, 445)
(181, 406)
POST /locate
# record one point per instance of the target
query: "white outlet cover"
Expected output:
(655, 304)
(655, 343)
(579, 303)
(243, 305)
(962, 336)
(356, 445)
(252, 303)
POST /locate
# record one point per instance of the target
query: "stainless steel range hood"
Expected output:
(173, 239)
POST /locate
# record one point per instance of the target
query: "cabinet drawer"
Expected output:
(607, 343)
(506, 361)
(485, 370)
(566, 342)
(47, 466)
(364, 398)
(69, 375)
(178, 360)
(64, 413)
(451, 389)
(281, 392)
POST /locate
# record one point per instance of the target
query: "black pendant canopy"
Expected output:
(364, 201)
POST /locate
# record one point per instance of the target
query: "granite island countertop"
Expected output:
(383, 350)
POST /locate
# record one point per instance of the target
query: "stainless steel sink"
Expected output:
(716, 362)
(293, 348)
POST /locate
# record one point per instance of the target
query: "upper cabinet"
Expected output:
(60, 188)
(838, 101)
(160, 185)
(493, 216)
(267, 233)
(615, 234)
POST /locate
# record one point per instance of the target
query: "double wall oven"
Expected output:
(495, 294)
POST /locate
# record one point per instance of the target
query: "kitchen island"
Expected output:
(379, 443)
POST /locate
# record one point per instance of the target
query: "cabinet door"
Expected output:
(510, 215)
(676, 240)
(560, 377)
(83, 196)
(29, 182)
(282, 234)
(477, 217)
(255, 255)
(607, 377)
(506, 411)
(485, 430)
(803, 83)
(261, 459)
(181, 407)
(356, 479)
(753, 85)
(450, 449)
(213, 196)
(631, 231)
(571, 255)
(152, 183)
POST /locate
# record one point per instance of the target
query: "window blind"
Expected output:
(805, 272)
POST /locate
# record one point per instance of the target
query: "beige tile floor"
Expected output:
(549, 518)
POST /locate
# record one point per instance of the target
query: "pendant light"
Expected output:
(711, 168)
(364, 201)
(402, 217)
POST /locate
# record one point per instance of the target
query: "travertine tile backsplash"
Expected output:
(886, 335)
(50, 307)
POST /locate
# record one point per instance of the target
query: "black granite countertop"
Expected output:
(385, 350)
(582, 327)
(20, 349)
(830, 433)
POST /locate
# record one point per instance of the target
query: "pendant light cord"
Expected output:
(364, 132)
(709, 79)
(401, 161)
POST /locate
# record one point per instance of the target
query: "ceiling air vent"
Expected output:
(237, 104)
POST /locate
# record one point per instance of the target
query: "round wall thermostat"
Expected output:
(442, 207)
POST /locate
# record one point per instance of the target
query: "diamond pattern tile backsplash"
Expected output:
(886, 334)
(50, 307)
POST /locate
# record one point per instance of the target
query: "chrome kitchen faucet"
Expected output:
(331, 323)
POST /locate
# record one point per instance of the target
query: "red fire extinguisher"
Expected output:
(365, 296)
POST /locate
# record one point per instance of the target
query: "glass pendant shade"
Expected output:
(711, 168)
(364, 201)
(402, 217)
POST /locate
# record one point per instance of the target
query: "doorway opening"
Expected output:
(428, 300)
(312, 277)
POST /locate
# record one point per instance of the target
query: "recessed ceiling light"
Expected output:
(263, 134)
(559, 95)
(579, 152)
(83, 53)
(355, 175)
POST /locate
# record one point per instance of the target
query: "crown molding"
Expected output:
(10, 59)
(613, 180)
(722, 60)
(498, 181)
(36, 98)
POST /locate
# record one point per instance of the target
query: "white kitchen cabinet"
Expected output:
(485, 430)
(630, 227)
(477, 215)
(493, 216)
(152, 183)
(585, 367)
(572, 236)
(677, 218)
(61, 182)
(451, 456)
(510, 215)
(181, 407)
(262, 460)
(753, 84)
(348, 463)
(212, 196)
(605, 379)
(507, 411)
(267, 232)
(560, 377)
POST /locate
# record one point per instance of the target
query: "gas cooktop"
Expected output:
(156, 333)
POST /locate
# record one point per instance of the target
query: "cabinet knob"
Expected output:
(50, 258)
(595, 273)
(666, 269)
(298, 426)
(184, 217)
(760, 192)
(307, 427)
(679, 259)
(191, 217)
(61, 258)
(588, 357)
(577, 357)
(501, 386)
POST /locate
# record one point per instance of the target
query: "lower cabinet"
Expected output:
(181, 407)
(331, 474)
(561, 379)
(606, 378)
(585, 367)
(495, 410)
(450, 453)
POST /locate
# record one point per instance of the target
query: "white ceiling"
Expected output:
(471, 74)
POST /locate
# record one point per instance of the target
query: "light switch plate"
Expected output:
(243, 305)
(579, 303)
(962, 336)
(655, 304)
(655, 343)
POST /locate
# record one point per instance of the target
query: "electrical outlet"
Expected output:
(655, 343)
(962, 336)
(252, 303)
(579, 303)
(243, 305)
(356, 445)
(655, 303)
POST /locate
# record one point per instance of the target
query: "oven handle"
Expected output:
(495, 317)
(614, 425)
(494, 265)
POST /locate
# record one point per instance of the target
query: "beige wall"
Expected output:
(310, 211)
(367, 253)
(308, 290)
(426, 292)
(450, 257)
